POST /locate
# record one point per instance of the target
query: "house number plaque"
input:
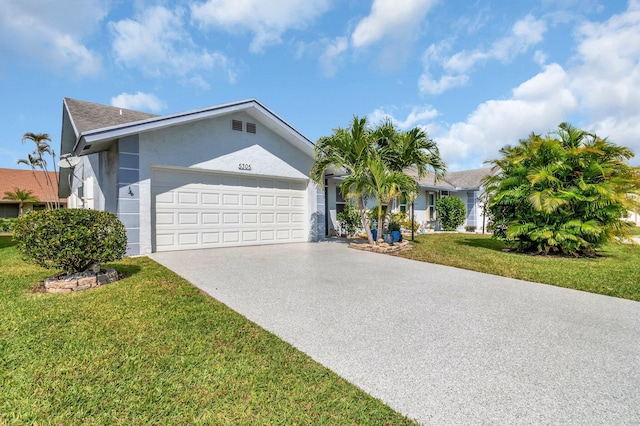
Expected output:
(244, 166)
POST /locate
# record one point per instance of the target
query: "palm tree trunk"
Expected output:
(365, 220)
(387, 216)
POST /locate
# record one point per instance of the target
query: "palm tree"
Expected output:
(41, 140)
(408, 149)
(384, 184)
(346, 150)
(23, 196)
(34, 162)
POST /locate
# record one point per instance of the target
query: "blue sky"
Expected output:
(477, 75)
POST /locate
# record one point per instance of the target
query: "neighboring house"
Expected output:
(34, 181)
(227, 175)
(466, 185)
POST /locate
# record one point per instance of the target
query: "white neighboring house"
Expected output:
(227, 175)
(466, 185)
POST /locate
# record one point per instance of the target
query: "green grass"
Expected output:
(616, 272)
(635, 231)
(152, 349)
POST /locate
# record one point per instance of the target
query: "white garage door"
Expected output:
(200, 210)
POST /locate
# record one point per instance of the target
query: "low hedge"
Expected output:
(6, 224)
(70, 239)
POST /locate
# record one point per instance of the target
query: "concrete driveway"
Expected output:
(439, 344)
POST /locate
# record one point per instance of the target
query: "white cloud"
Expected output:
(524, 34)
(393, 25)
(47, 33)
(332, 55)
(608, 72)
(138, 101)
(418, 116)
(539, 105)
(157, 43)
(427, 84)
(267, 20)
(600, 87)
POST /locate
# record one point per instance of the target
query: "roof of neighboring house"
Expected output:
(10, 179)
(90, 116)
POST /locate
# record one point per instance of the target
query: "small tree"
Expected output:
(23, 196)
(451, 212)
(566, 191)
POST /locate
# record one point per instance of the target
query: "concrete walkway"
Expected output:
(439, 344)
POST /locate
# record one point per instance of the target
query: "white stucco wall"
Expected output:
(85, 175)
(212, 145)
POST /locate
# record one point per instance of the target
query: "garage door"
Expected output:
(201, 210)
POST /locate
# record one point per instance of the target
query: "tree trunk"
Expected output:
(365, 220)
(387, 216)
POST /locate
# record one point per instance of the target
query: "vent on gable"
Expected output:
(251, 128)
(236, 125)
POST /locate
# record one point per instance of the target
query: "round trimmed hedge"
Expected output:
(451, 212)
(70, 239)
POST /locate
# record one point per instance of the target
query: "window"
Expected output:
(401, 204)
(9, 210)
(444, 193)
(431, 196)
(340, 201)
(251, 128)
(236, 125)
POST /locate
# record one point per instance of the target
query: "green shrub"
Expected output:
(349, 219)
(70, 239)
(564, 192)
(470, 228)
(6, 224)
(394, 226)
(405, 221)
(451, 212)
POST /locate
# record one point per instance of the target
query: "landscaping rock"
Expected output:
(382, 247)
(78, 281)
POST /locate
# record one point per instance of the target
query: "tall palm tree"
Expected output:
(33, 162)
(41, 140)
(401, 150)
(23, 196)
(384, 184)
(346, 150)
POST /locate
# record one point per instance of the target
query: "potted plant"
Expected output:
(394, 230)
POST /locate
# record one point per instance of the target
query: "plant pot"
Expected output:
(397, 236)
(388, 238)
(374, 232)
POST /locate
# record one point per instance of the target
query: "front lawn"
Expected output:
(616, 272)
(152, 349)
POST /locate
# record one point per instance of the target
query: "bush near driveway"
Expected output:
(564, 192)
(153, 349)
(70, 239)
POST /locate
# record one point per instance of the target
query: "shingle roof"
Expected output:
(465, 179)
(89, 116)
(468, 179)
(25, 180)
